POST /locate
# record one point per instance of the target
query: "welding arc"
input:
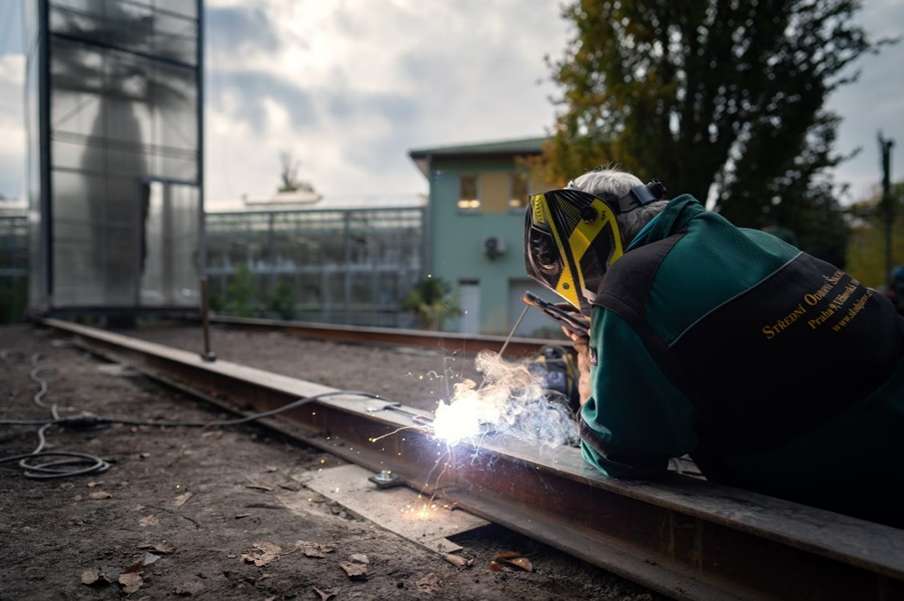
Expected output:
(68, 463)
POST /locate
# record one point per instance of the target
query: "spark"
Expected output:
(394, 432)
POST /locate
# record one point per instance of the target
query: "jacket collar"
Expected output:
(673, 218)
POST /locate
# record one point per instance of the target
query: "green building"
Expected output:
(475, 221)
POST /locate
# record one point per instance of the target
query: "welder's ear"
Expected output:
(657, 189)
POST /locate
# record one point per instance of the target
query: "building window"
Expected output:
(468, 199)
(518, 199)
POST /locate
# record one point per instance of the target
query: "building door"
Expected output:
(469, 303)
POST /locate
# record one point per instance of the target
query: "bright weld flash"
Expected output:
(457, 421)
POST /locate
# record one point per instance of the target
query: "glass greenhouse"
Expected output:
(114, 102)
(350, 266)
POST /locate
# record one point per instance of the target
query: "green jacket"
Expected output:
(776, 371)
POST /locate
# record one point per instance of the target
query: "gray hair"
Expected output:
(619, 183)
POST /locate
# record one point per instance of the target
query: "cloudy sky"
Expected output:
(350, 85)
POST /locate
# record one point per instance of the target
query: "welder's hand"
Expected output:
(582, 348)
(578, 317)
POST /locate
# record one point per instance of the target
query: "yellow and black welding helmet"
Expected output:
(571, 238)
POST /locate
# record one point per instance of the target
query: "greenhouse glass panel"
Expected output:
(346, 266)
(121, 119)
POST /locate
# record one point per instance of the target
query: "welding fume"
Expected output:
(534, 399)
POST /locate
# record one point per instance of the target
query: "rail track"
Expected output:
(685, 538)
(445, 341)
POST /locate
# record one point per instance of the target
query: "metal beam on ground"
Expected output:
(685, 538)
(446, 341)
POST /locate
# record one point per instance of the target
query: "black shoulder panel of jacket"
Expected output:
(626, 286)
(626, 289)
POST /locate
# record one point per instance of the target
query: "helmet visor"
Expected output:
(571, 239)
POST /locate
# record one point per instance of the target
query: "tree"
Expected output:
(289, 180)
(724, 99)
(866, 248)
(240, 294)
(430, 301)
(282, 301)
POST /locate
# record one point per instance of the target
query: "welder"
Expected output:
(776, 371)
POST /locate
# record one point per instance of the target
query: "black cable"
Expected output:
(69, 463)
(66, 463)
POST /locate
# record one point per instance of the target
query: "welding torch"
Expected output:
(572, 320)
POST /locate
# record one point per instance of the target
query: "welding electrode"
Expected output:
(512, 332)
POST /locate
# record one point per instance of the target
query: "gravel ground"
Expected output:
(204, 500)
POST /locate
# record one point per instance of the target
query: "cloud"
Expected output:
(351, 86)
(378, 80)
(245, 94)
(12, 124)
(241, 29)
(874, 102)
(11, 27)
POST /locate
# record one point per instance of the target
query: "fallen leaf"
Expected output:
(149, 559)
(91, 576)
(317, 550)
(521, 563)
(511, 558)
(458, 560)
(130, 581)
(262, 553)
(324, 595)
(359, 558)
(262, 487)
(182, 499)
(161, 548)
(134, 568)
(354, 570)
(100, 494)
(149, 520)
(428, 584)
(264, 506)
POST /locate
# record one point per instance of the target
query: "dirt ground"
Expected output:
(197, 502)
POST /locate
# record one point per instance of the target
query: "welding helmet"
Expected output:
(571, 238)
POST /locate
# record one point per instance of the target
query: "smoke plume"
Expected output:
(509, 400)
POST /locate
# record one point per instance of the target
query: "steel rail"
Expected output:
(446, 341)
(685, 538)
